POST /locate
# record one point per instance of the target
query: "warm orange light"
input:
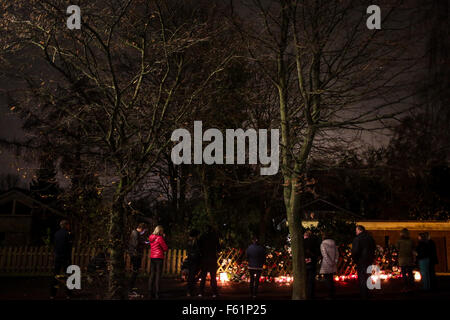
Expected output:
(223, 277)
(417, 276)
(284, 279)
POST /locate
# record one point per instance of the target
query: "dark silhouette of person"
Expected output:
(136, 246)
(405, 247)
(209, 247)
(256, 256)
(193, 261)
(423, 259)
(433, 261)
(63, 243)
(363, 254)
(312, 253)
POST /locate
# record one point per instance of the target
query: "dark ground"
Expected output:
(37, 288)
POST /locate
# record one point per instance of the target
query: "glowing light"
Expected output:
(223, 277)
(283, 279)
(417, 276)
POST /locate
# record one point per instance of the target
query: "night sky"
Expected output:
(10, 129)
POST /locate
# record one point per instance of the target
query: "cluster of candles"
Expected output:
(385, 261)
(224, 277)
(387, 276)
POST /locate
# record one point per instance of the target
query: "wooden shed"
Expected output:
(25, 220)
(388, 232)
(385, 232)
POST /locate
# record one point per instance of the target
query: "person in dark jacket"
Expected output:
(209, 247)
(405, 247)
(423, 259)
(256, 256)
(193, 261)
(63, 256)
(433, 261)
(312, 253)
(136, 250)
(363, 254)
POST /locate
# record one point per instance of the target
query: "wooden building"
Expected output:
(25, 220)
(385, 232)
(388, 232)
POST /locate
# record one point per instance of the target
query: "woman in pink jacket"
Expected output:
(157, 248)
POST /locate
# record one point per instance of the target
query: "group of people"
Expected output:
(423, 254)
(201, 260)
(202, 254)
(329, 253)
(158, 247)
(363, 254)
(203, 251)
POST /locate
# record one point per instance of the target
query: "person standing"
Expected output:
(433, 261)
(312, 253)
(328, 267)
(209, 246)
(97, 273)
(136, 250)
(63, 257)
(405, 247)
(256, 257)
(363, 254)
(158, 247)
(193, 261)
(423, 259)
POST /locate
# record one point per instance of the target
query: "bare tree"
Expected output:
(113, 90)
(332, 75)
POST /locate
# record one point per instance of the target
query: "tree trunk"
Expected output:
(116, 288)
(298, 252)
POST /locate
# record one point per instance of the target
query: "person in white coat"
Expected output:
(328, 267)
